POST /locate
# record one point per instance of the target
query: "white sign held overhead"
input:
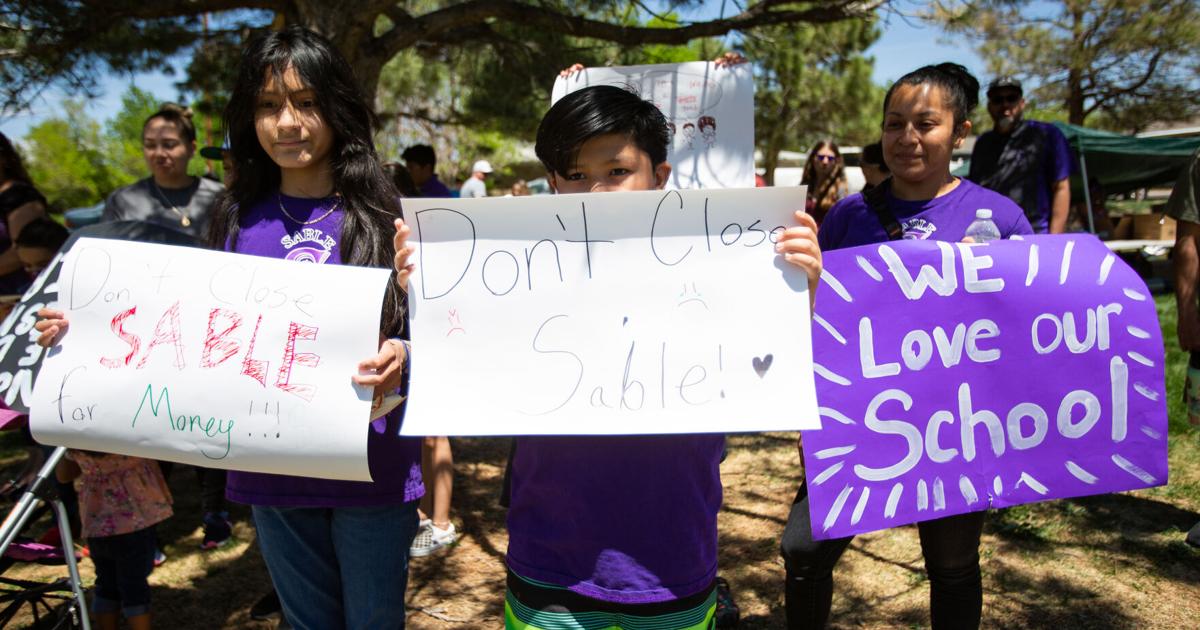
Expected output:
(614, 313)
(214, 359)
(710, 111)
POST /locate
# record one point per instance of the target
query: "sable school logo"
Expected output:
(318, 249)
(954, 377)
(918, 229)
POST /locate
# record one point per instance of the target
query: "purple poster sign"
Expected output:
(953, 378)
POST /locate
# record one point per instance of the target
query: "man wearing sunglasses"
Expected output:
(1025, 160)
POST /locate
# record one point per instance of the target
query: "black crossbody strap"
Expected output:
(876, 199)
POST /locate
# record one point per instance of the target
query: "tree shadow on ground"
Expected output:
(1051, 602)
(229, 583)
(463, 587)
(1128, 527)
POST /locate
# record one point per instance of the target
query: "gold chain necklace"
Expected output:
(183, 217)
(287, 214)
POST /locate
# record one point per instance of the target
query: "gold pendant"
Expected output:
(185, 221)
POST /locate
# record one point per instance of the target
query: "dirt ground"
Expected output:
(1113, 561)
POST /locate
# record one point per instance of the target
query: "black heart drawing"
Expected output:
(762, 365)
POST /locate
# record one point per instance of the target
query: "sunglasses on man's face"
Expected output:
(1011, 99)
(826, 158)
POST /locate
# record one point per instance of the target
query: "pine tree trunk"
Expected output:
(350, 31)
(1075, 113)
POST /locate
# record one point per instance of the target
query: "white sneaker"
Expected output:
(431, 538)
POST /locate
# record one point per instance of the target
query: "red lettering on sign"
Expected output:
(215, 342)
(290, 357)
(255, 368)
(118, 327)
(167, 331)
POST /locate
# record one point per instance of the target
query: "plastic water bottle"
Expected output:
(983, 229)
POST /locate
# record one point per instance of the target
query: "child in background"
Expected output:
(120, 500)
(38, 243)
(591, 543)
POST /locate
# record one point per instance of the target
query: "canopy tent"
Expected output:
(1120, 163)
(1124, 163)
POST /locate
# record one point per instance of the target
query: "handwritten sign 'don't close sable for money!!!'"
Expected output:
(612, 313)
(953, 378)
(214, 359)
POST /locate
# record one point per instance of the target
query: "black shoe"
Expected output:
(266, 607)
(217, 530)
(727, 610)
(1193, 537)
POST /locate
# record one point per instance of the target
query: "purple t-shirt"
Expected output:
(1023, 165)
(433, 187)
(852, 222)
(626, 519)
(395, 462)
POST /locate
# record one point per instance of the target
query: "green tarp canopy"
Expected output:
(1121, 163)
(1124, 163)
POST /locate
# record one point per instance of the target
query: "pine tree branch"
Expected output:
(442, 23)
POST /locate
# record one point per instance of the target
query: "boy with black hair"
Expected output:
(421, 162)
(615, 531)
(874, 169)
(37, 244)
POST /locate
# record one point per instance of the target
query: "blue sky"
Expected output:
(906, 44)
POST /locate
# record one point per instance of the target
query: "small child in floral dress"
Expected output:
(120, 500)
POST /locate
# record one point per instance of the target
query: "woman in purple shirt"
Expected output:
(926, 115)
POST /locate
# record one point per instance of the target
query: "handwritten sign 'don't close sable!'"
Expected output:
(953, 378)
(613, 313)
(214, 359)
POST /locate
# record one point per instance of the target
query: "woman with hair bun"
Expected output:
(926, 115)
(169, 197)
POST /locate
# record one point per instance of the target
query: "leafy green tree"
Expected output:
(123, 133)
(813, 83)
(66, 159)
(1124, 63)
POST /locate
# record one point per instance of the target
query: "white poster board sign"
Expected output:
(710, 111)
(608, 313)
(214, 359)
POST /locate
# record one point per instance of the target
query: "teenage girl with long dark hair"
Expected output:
(310, 188)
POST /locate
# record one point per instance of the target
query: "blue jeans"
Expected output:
(341, 567)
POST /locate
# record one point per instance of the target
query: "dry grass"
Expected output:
(1111, 561)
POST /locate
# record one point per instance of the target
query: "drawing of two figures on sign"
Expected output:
(706, 125)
